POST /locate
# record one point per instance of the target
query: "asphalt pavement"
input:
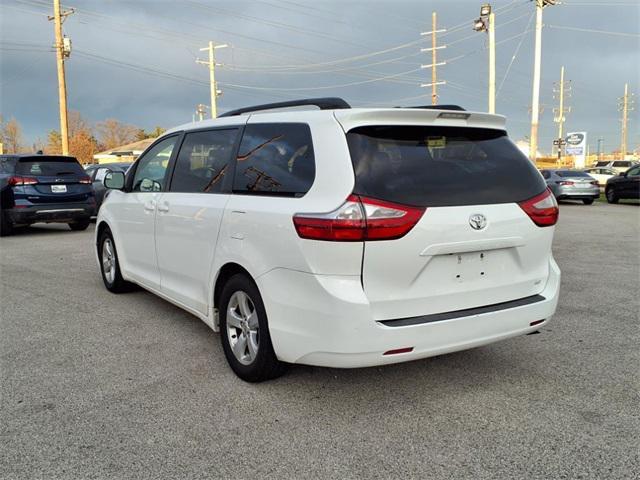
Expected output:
(96, 385)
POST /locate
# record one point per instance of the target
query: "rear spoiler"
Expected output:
(355, 117)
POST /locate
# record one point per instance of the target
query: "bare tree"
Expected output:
(11, 135)
(113, 133)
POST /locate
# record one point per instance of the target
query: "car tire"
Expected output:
(244, 332)
(6, 226)
(110, 265)
(587, 201)
(610, 193)
(79, 226)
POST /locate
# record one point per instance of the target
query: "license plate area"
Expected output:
(58, 189)
(469, 266)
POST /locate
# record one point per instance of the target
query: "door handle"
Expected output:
(163, 207)
(150, 206)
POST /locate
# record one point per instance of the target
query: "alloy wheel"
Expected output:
(108, 260)
(242, 328)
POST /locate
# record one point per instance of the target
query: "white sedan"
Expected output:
(601, 174)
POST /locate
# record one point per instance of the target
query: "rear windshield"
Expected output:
(571, 173)
(49, 166)
(441, 166)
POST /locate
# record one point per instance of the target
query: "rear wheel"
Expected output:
(6, 226)
(587, 201)
(109, 265)
(79, 226)
(244, 332)
(611, 195)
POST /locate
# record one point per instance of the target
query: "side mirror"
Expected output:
(114, 180)
(622, 174)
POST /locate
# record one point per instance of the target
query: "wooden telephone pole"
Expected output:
(211, 63)
(434, 59)
(63, 51)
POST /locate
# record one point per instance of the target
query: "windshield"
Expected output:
(441, 166)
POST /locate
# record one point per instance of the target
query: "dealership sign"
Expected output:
(576, 146)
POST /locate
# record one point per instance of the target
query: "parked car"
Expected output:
(601, 175)
(97, 173)
(618, 166)
(572, 185)
(624, 186)
(44, 188)
(337, 237)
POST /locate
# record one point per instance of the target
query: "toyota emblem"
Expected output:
(477, 221)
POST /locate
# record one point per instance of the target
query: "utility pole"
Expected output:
(434, 59)
(626, 106)
(600, 150)
(63, 50)
(535, 103)
(487, 23)
(215, 93)
(559, 112)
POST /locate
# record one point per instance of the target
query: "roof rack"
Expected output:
(329, 103)
(439, 107)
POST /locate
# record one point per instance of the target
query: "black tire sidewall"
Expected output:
(252, 372)
(611, 195)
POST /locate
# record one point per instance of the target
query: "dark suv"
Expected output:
(44, 188)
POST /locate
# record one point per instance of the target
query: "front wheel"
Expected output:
(587, 201)
(611, 195)
(244, 332)
(109, 265)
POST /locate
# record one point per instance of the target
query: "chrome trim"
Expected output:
(61, 210)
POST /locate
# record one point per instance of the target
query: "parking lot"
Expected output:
(95, 385)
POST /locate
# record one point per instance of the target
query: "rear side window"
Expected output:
(275, 159)
(49, 166)
(621, 164)
(571, 173)
(441, 166)
(203, 161)
(545, 173)
(7, 165)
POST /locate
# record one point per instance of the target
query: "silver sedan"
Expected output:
(572, 185)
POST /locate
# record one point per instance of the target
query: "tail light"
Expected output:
(542, 209)
(84, 180)
(16, 180)
(565, 182)
(595, 182)
(359, 219)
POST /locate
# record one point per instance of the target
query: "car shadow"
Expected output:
(43, 229)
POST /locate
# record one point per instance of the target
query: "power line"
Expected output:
(591, 30)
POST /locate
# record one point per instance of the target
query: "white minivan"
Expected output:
(337, 237)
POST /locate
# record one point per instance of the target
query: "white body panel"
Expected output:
(324, 300)
(187, 227)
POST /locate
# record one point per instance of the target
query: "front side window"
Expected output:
(441, 166)
(152, 167)
(203, 161)
(275, 159)
(100, 174)
(634, 172)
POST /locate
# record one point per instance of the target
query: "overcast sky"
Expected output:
(135, 60)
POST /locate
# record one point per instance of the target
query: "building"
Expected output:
(124, 153)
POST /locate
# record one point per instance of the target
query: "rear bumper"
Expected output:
(49, 213)
(578, 194)
(326, 321)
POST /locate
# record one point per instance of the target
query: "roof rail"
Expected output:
(439, 107)
(329, 103)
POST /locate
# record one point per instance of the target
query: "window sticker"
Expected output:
(436, 142)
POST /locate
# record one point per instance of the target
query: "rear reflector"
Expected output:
(359, 219)
(537, 322)
(16, 180)
(398, 350)
(542, 209)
